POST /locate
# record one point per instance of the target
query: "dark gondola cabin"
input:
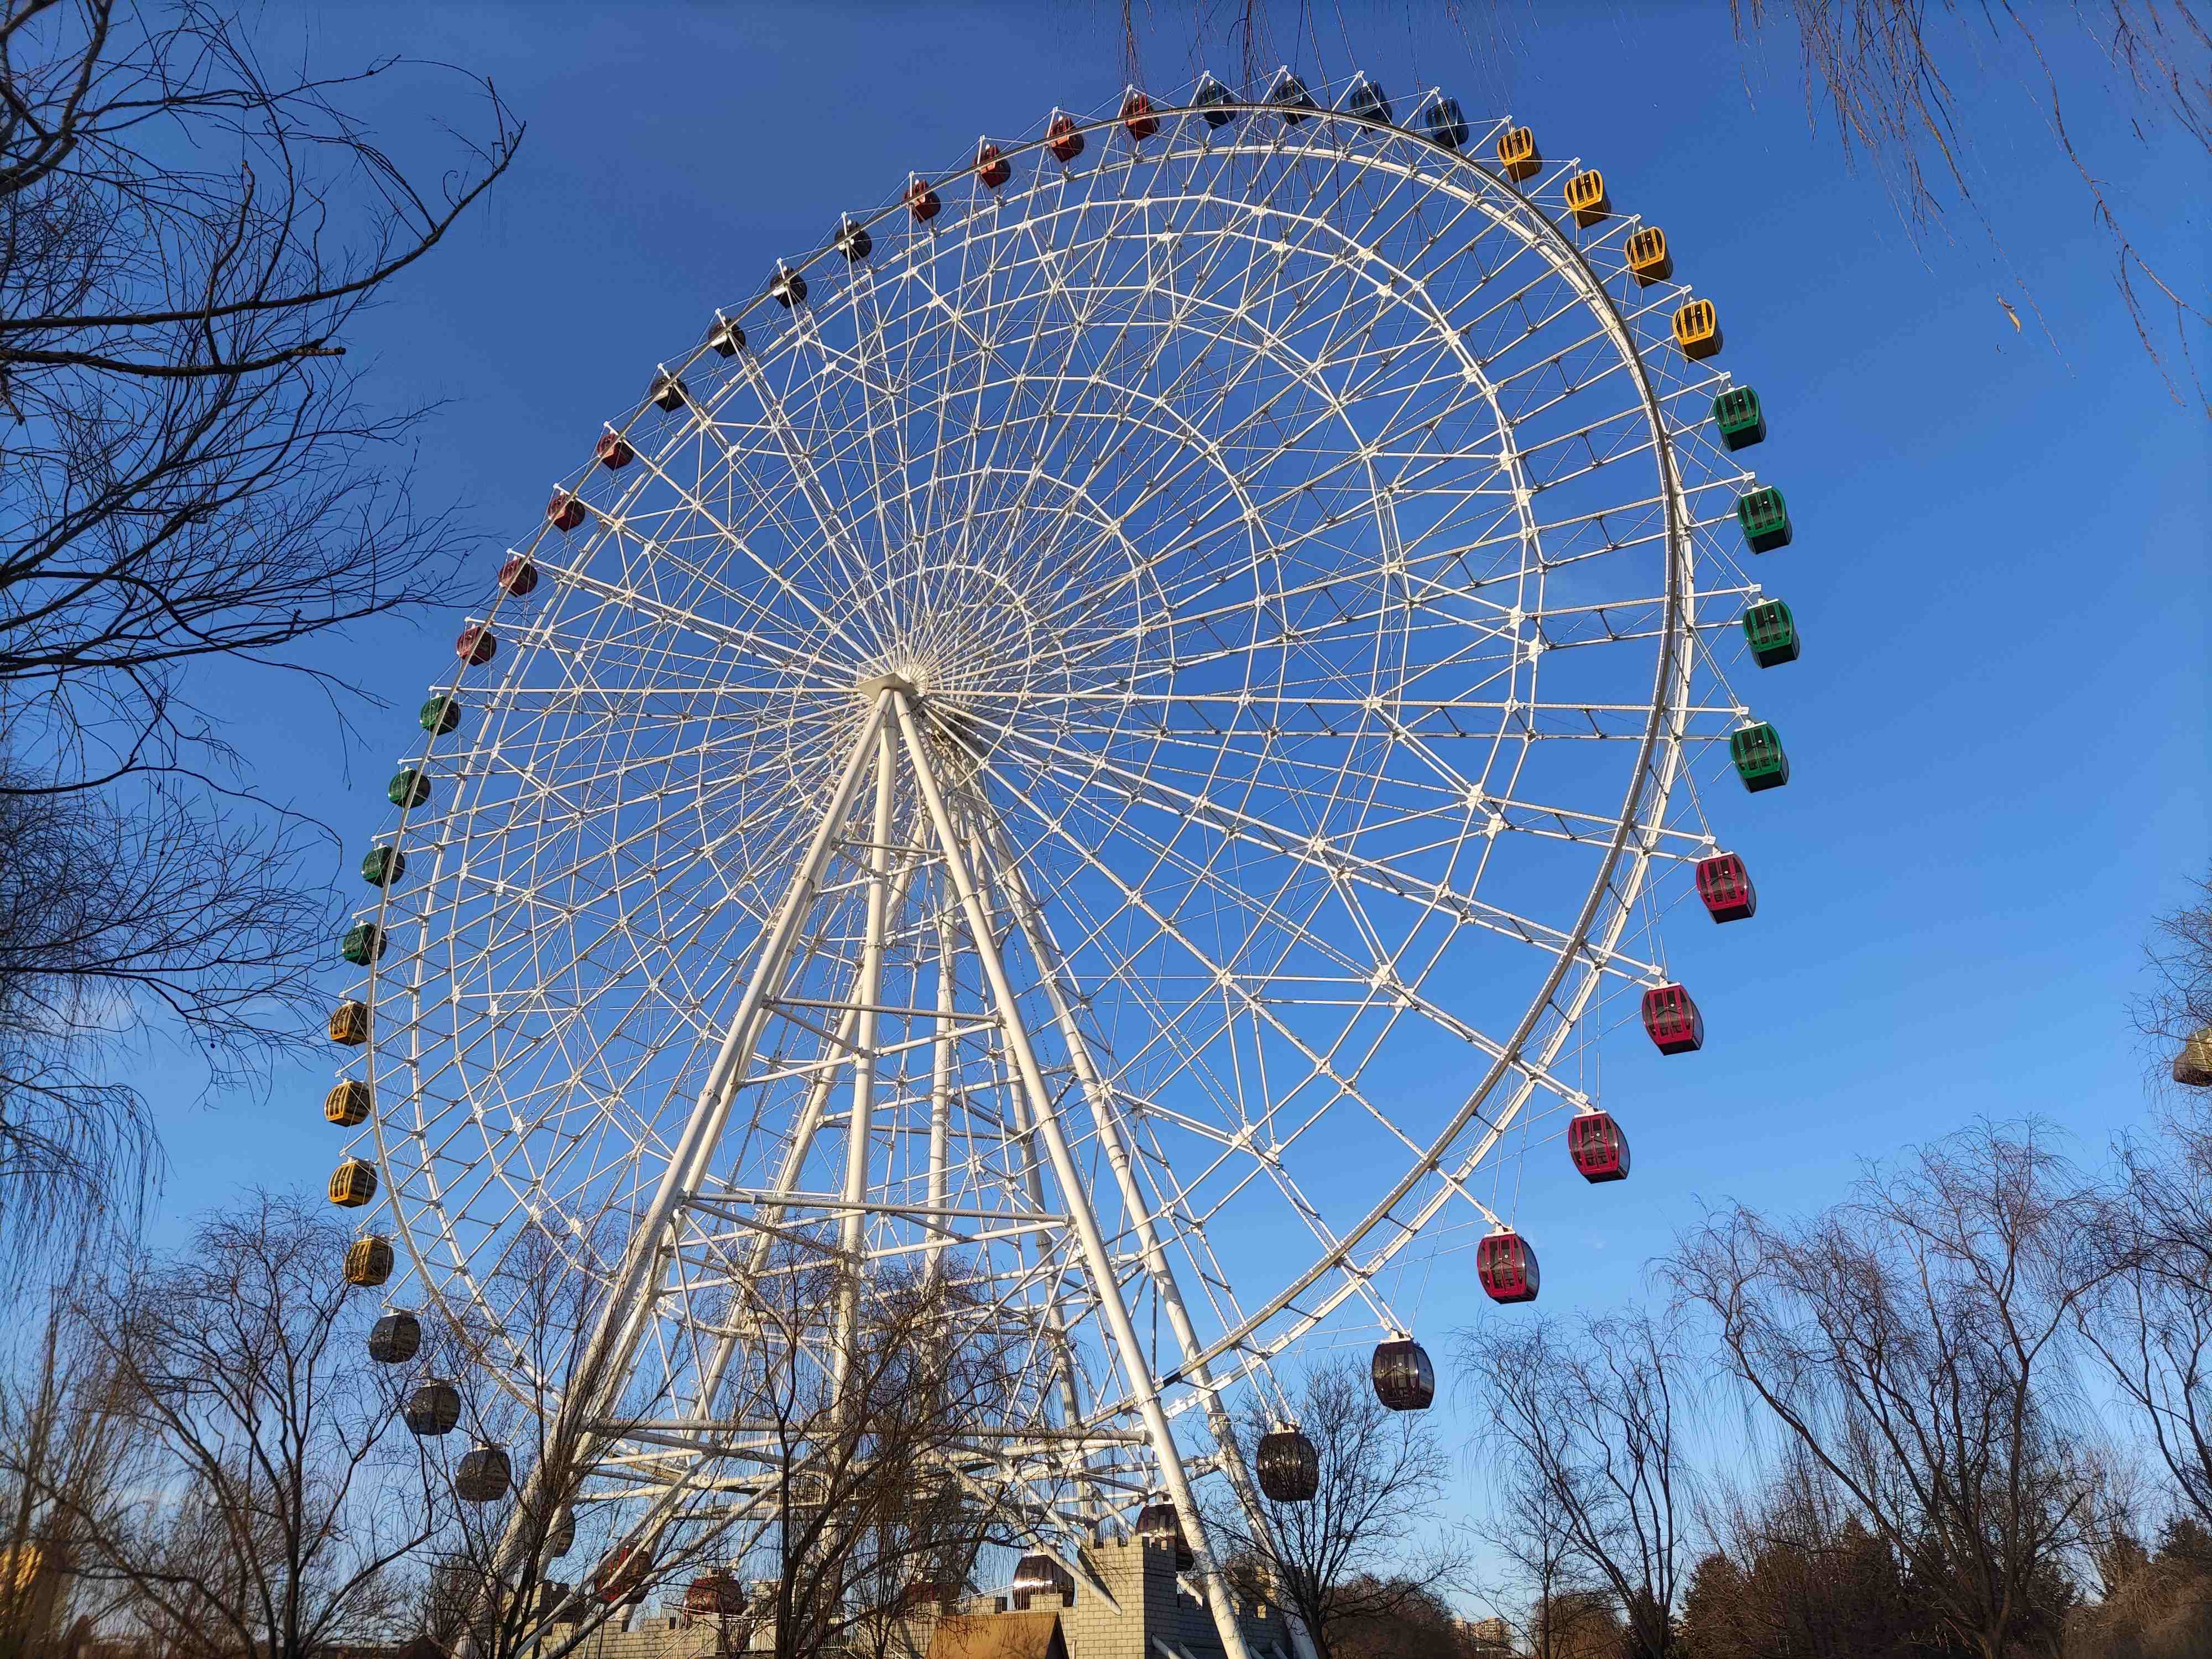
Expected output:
(1159, 1525)
(1213, 98)
(854, 242)
(368, 1262)
(1518, 158)
(1649, 261)
(727, 339)
(363, 943)
(565, 512)
(1742, 421)
(1137, 117)
(349, 1023)
(518, 577)
(485, 1475)
(1443, 123)
(1671, 1021)
(787, 288)
(395, 1339)
(353, 1184)
(714, 1595)
(433, 1409)
(1061, 138)
(667, 393)
(1290, 97)
(347, 1103)
(1506, 1266)
(1763, 517)
(1404, 1380)
(476, 646)
(1365, 101)
(381, 866)
(1771, 632)
(1041, 1575)
(2193, 1066)
(408, 788)
(922, 201)
(991, 166)
(439, 717)
(1759, 759)
(1587, 198)
(1724, 888)
(1289, 1466)
(1597, 1147)
(613, 452)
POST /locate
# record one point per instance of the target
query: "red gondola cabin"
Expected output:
(991, 165)
(1507, 1265)
(1061, 138)
(613, 452)
(1673, 1021)
(476, 646)
(565, 512)
(519, 576)
(621, 1577)
(920, 200)
(1137, 117)
(1599, 1149)
(1725, 886)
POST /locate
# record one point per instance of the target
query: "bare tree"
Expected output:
(1578, 1425)
(191, 472)
(1914, 1342)
(2152, 1324)
(866, 1390)
(1889, 77)
(2180, 956)
(1371, 1543)
(494, 1592)
(69, 1447)
(271, 1518)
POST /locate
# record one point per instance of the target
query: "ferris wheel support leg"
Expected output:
(1036, 932)
(621, 1320)
(940, 1081)
(1098, 1262)
(854, 1228)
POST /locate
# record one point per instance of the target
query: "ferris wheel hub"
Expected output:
(876, 685)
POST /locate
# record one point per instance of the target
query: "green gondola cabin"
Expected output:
(363, 943)
(408, 788)
(1760, 760)
(383, 865)
(1764, 517)
(1771, 632)
(1742, 421)
(440, 716)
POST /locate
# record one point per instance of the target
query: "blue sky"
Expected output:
(1998, 730)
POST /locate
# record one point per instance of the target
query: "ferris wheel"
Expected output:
(1113, 736)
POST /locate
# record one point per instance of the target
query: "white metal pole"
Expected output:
(853, 1229)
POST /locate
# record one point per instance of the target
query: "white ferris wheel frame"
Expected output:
(924, 827)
